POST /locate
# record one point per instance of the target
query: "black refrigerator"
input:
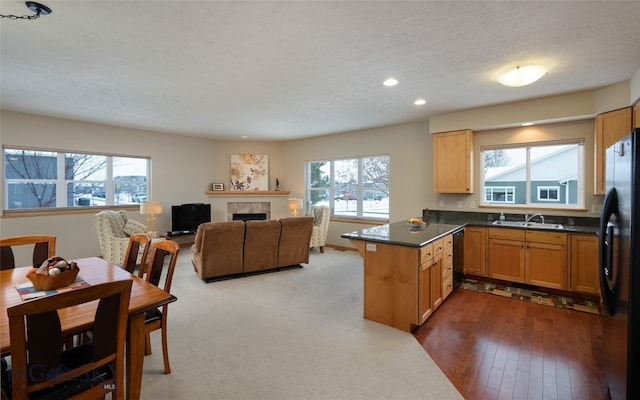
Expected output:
(619, 253)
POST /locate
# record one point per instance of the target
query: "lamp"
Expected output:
(294, 205)
(521, 75)
(151, 207)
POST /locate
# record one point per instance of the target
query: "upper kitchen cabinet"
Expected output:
(610, 127)
(453, 162)
(636, 115)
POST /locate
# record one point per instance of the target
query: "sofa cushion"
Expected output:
(261, 245)
(218, 250)
(295, 234)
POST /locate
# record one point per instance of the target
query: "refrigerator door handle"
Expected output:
(606, 251)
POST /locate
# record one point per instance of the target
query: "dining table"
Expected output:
(93, 270)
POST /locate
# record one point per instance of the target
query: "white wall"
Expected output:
(182, 169)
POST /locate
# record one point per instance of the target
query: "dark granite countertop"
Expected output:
(402, 234)
(445, 222)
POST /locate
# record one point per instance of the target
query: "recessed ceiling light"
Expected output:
(390, 82)
(521, 75)
(420, 102)
(244, 137)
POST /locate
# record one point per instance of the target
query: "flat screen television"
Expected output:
(185, 218)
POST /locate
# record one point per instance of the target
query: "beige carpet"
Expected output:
(296, 334)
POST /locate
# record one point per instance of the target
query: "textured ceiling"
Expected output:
(285, 70)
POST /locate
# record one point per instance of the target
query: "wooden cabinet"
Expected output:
(609, 128)
(447, 267)
(584, 264)
(546, 259)
(529, 256)
(506, 254)
(475, 245)
(425, 305)
(453, 162)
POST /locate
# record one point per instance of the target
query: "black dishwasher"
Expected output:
(458, 257)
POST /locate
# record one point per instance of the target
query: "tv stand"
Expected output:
(183, 239)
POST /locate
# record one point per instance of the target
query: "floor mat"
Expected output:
(532, 296)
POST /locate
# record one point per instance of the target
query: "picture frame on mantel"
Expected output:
(217, 186)
(249, 172)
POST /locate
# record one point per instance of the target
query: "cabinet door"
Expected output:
(453, 162)
(424, 292)
(610, 127)
(506, 260)
(547, 265)
(584, 264)
(436, 283)
(475, 244)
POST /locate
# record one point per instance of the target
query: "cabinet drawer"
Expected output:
(438, 246)
(447, 269)
(448, 241)
(447, 256)
(505, 233)
(426, 253)
(546, 237)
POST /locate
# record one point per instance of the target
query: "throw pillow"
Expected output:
(133, 227)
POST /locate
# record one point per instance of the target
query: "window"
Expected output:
(354, 187)
(549, 174)
(499, 194)
(46, 179)
(548, 193)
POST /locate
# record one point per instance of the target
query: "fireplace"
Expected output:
(249, 216)
(248, 208)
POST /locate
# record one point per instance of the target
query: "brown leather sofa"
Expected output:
(236, 247)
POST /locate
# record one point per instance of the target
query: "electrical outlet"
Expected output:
(441, 203)
(459, 204)
(472, 204)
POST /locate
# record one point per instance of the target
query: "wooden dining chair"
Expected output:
(136, 242)
(40, 365)
(44, 246)
(156, 319)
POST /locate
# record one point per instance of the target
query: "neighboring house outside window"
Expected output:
(51, 179)
(536, 174)
(352, 188)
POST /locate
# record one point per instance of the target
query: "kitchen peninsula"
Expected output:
(407, 272)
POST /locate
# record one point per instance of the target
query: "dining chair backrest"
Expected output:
(136, 243)
(157, 260)
(39, 362)
(156, 319)
(44, 246)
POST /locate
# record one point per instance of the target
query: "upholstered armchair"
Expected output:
(114, 229)
(321, 216)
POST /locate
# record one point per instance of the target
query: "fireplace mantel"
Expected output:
(247, 192)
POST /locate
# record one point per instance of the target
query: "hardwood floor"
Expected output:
(492, 347)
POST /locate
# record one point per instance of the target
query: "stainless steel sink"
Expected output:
(523, 224)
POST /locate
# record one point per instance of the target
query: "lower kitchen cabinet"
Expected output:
(584, 264)
(475, 250)
(506, 254)
(529, 256)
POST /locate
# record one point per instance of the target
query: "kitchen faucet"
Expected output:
(528, 218)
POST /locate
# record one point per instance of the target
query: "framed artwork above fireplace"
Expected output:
(249, 172)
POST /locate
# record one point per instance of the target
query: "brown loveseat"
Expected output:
(238, 247)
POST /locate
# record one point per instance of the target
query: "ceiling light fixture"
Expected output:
(37, 8)
(420, 102)
(521, 75)
(390, 82)
(527, 123)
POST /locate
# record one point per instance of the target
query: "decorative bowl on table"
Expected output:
(54, 273)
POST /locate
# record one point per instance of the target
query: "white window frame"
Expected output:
(506, 194)
(548, 189)
(61, 183)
